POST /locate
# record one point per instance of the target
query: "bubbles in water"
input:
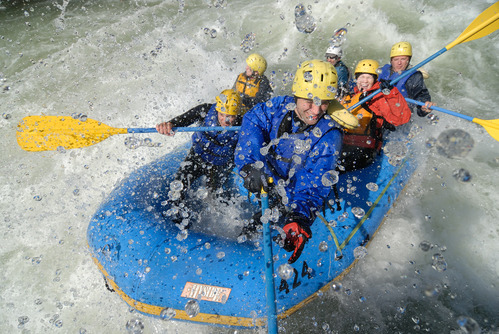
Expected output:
(360, 252)
(323, 246)
(330, 178)
(372, 186)
(304, 22)
(358, 212)
(192, 308)
(248, 42)
(135, 326)
(454, 143)
(439, 263)
(425, 245)
(285, 271)
(462, 175)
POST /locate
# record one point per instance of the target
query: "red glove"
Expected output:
(296, 237)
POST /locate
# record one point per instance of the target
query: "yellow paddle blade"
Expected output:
(492, 126)
(485, 24)
(49, 133)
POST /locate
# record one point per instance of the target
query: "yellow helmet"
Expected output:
(401, 49)
(367, 66)
(315, 78)
(257, 63)
(229, 102)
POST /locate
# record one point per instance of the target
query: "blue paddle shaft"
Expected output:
(187, 129)
(269, 270)
(450, 112)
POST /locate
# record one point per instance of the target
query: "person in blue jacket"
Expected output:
(212, 152)
(413, 86)
(294, 141)
(333, 56)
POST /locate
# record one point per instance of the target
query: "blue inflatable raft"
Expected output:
(162, 271)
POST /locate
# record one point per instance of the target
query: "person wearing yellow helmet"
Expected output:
(253, 86)
(413, 86)
(212, 152)
(382, 112)
(292, 140)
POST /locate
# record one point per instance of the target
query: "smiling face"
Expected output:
(399, 63)
(365, 81)
(309, 112)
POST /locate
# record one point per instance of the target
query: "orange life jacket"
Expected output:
(247, 87)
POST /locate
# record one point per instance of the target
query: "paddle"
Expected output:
(48, 133)
(269, 268)
(492, 126)
(484, 24)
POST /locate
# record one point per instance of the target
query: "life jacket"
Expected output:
(385, 75)
(290, 150)
(248, 86)
(369, 134)
(215, 147)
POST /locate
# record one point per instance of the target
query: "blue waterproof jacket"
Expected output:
(299, 160)
(215, 147)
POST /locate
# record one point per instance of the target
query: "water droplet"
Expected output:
(304, 22)
(192, 308)
(330, 178)
(37, 198)
(135, 326)
(425, 245)
(468, 325)
(285, 271)
(336, 287)
(248, 42)
(220, 255)
(454, 143)
(360, 252)
(439, 263)
(462, 175)
(167, 313)
(372, 186)
(358, 212)
(323, 247)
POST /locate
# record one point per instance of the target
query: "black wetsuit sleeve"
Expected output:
(416, 90)
(194, 115)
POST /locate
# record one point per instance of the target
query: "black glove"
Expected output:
(385, 86)
(254, 179)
